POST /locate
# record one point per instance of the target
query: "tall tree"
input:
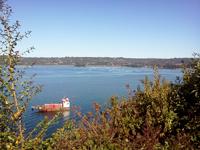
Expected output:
(15, 92)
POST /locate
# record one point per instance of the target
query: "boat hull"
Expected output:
(50, 108)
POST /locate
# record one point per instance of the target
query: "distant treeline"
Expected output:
(106, 61)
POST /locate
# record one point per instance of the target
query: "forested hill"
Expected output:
(106, 61)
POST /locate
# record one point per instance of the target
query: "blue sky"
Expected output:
(110, 28)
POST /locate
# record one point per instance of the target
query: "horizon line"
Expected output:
(107, 57)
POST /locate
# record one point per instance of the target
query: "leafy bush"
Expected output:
(185, 101)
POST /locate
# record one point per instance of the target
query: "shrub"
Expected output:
(185, 101)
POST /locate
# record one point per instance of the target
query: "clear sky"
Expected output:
(110, 28)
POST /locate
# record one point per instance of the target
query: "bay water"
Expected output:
(84, 86)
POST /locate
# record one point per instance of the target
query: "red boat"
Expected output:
(64, 106)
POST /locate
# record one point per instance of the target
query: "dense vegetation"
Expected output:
(161, 115)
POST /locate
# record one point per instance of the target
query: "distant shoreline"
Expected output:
(172, 63)
(89, 66)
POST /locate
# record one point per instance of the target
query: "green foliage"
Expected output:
(15, 92)
(185, 102)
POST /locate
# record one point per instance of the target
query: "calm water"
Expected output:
(84, 85)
